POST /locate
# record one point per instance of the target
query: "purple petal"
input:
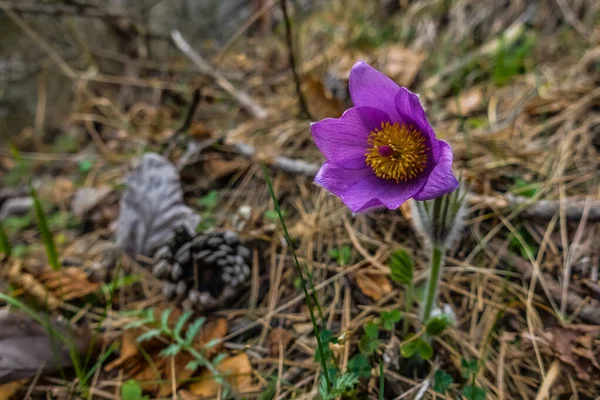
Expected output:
(441, 180)
(344, 140)
(360, 189)
(369, 87)
(411, 111)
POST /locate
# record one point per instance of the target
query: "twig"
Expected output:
(292, 59)
(187, 122)
(571, 255)
(542, 209)
(286, 164)
(586, 310)
(203, 66)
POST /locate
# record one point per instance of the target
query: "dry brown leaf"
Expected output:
(468, 102)
(31, 286)
(26, 348)
(573, 345)
(217, 168)
(320, 103)
(279, 337)
(374, 286)
(156, 376)
(200, 132)
(8, 390)
(68, 283)
(238, 372)
(400, 64)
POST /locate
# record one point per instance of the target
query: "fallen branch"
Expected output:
(542, 209)
(204, 67)
(586, 310)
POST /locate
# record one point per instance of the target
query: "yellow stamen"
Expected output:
(397, 152)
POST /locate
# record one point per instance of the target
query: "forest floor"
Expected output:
(512, 86)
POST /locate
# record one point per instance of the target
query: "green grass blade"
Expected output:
(381, 379)
(45, 232)
(4, 243)
(307, 297)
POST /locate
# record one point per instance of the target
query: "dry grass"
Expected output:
(507, 279)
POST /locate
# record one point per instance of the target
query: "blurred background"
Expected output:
(216, 86)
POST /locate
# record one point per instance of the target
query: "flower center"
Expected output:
(397, 152)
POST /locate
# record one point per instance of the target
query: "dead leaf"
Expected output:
(86, 199)
(374, 286)
(279, 338)
(31, 286)
(156, 376)
(152, 206)
(8, 390)
(237, 370)
(468, 102)
(573, 345)
(68, 283)
(199, 131)
(320, 103)
(217, 168)
(400, 64)
(26, 346)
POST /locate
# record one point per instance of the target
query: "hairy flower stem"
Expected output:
(435, 272)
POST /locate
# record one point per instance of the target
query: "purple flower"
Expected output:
(383, 151)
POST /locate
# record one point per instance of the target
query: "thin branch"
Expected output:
(187, 122)
(292, 59)
(203, 66)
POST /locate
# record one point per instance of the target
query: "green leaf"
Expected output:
(359, 366)
(368, 345)
(342, 254)
(469, 367)
(193, 365)
(131, 390)
(45, 232)
(436, 325)
(526, 189)
(344, 384)
(472, 392)
(181, 322)
(171, 351)
(272, 215)
(425, 349)
(419, 345)
(151, 334)
(193, 330)
(327, 336)
(210, 200)
(212, 343)
(371, 330)
(401, 267)
(390, 318)
(218, 358)
(442, 381)
(4, 242)
(409, 349)
(164, 319)
(85, 166)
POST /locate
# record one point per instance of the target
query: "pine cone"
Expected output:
(204, 270)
